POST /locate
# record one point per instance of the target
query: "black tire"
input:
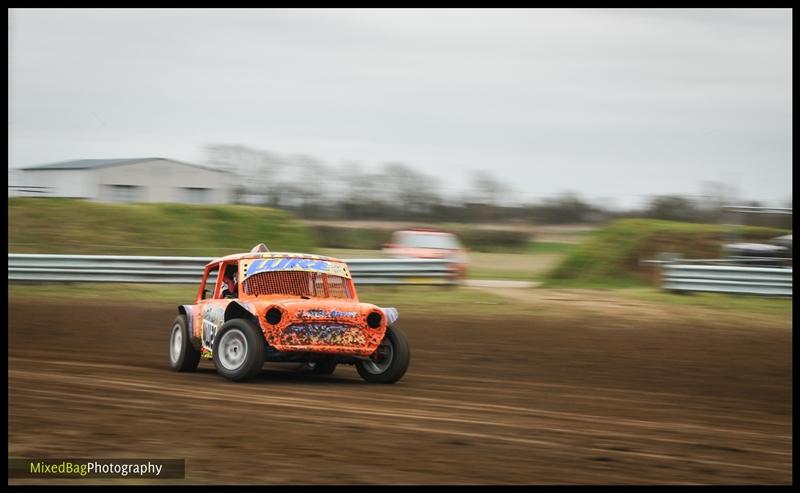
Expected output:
(239, 350)
(388, 371)
(182, 354)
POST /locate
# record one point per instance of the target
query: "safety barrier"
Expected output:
(727, 279)
(188, 270)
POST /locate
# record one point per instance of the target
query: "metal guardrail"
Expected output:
(733, 261)
(727, 279)
(188, 270)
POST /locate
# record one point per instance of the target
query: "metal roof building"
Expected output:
(123, 180)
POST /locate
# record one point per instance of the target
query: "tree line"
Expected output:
(313, 189)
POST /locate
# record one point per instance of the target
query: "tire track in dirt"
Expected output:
(478, 406)
(515, 427)
(72, 388)
(304, 404)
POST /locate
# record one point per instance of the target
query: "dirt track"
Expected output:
(526, 400)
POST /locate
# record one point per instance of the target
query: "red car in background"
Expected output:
(431, 244)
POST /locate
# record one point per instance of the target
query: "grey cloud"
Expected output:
(597, 101)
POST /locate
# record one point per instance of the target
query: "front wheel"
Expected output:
(390, 361)
(239, 350)
(182, 355)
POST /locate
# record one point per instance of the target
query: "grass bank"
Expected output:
(612, 256)
(51, 225)
(363, 238)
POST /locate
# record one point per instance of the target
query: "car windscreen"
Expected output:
(297, 283)
(296, 276)
(423, 240)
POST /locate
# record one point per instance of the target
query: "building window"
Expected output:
(194, 195)
(124, 193)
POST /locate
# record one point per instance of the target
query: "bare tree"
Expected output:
(412, 192)
(309, 185)
(252, 171)
(487, 189)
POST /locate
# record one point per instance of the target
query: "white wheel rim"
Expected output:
(376, 368)
(232, 349)
(177, 343)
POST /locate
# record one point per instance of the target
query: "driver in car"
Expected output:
(229, 287)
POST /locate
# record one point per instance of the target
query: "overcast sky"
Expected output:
(611, 104)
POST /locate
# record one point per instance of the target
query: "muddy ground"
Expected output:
(496, 400)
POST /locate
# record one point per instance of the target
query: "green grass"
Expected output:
(597, 283)
(350, 238)
(177, 294)
(611, 257)
(456, 301)
(549, 247)
(372, 238)
(509, 266)
(68, 226)
(348, 253)
(493, 240)
(434, 299)
(415, 299)
(718, 301)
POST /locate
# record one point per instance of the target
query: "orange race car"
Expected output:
(285, 307)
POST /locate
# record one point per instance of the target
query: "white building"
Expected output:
(123, 180)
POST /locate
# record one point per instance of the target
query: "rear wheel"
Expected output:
(239, 350)
(390, 361)
(182, 355)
